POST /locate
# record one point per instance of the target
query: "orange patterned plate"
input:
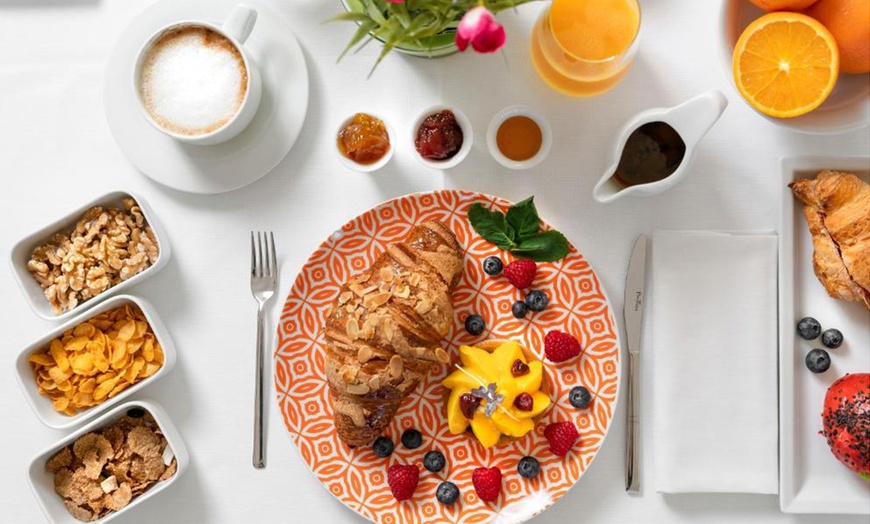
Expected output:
(357, 477)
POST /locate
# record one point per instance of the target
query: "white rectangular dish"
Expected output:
(42, 405)
(812, 480)
(22, 251)
(42, 481)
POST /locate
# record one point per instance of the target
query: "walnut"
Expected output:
(106, 247)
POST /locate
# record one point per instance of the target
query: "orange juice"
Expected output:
(585, 47)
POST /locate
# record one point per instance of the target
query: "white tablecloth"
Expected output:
(56, 152)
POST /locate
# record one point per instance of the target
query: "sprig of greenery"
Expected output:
(414, 22)
(518, 231)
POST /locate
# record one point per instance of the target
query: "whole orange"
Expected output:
(849, 22)
(783, 5)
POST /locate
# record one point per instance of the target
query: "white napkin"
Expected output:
(714, 362)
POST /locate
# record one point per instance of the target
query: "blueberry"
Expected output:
(519, 309)
(412, 439)
(383, 447)
(475, 324)
(832, 338)
(447, 493)
(537, 300)
(809, 328)
(528, 467)
(818, 361)
(579, 397)
(434, 461)
(492, 266)
(136, 413)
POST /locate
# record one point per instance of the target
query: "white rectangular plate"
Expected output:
(811, 479)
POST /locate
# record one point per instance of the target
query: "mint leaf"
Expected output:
(492, 226)
(546, 246)
(523, 217)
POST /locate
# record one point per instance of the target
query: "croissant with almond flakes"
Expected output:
(837, 209)
(383, 333)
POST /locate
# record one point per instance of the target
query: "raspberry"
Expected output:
(524, 402)
(403, 480)
(521, 273)
(468, 404)
(561, 436)
(487, 483)
(519, 368)
(560, 346)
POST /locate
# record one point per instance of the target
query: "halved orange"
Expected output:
(786, 64)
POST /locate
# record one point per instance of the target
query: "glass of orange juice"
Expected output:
(585, 47)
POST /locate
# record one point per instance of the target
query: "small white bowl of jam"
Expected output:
(364, 142)
(442, 137)
(519, 138)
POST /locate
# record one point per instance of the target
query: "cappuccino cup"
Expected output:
(195, 82)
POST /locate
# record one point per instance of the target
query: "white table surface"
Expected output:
(56, 151)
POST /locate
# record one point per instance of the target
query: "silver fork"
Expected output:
(264, 280)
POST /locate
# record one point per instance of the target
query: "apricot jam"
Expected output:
(364, 139)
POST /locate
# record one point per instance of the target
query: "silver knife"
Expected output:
(633, 314)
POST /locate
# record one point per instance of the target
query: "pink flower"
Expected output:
(479, 28)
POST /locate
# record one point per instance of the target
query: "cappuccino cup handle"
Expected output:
(240, 23)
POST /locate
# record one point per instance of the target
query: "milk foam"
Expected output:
(193, 81)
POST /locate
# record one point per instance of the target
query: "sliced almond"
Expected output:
(389, 330)
(414, 279)
(402, 291)
(442, 355)
(365, 354)
(396, 366)
(344, 297)
(377, 300)
(348, 373)
(375, 383)
(357, 389)
(386, 274)
(369, 289)
(352, 328)
(423, 307)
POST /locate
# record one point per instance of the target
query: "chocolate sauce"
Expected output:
(652, 153)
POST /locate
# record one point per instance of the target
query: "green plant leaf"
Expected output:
(545, 246)
(523, 217)
(492, 226)
(361, 32)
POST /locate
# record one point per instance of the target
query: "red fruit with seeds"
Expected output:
(403, 480)
(519, 368)
(560, 346)
(524, 402)
(487, 483)
(468, 404)
(521, 273)
(561, 436)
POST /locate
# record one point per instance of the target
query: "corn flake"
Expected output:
(97, 359)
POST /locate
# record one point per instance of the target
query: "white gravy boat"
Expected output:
(691, 120)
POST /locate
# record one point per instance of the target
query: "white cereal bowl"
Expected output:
(42, 405)
(846, 109)
(492, 134)
(467, 138)
(22, 250)
(42, 482)
(367, 168)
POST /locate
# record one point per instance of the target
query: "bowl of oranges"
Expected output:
(803, 64)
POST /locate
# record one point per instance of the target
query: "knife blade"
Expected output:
(633, 316)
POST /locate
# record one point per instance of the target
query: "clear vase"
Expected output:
(438, 46)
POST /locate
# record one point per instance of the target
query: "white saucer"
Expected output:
(239, 161)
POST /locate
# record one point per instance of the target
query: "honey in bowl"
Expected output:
(499, 371)
(364, 139)
(519, 138)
